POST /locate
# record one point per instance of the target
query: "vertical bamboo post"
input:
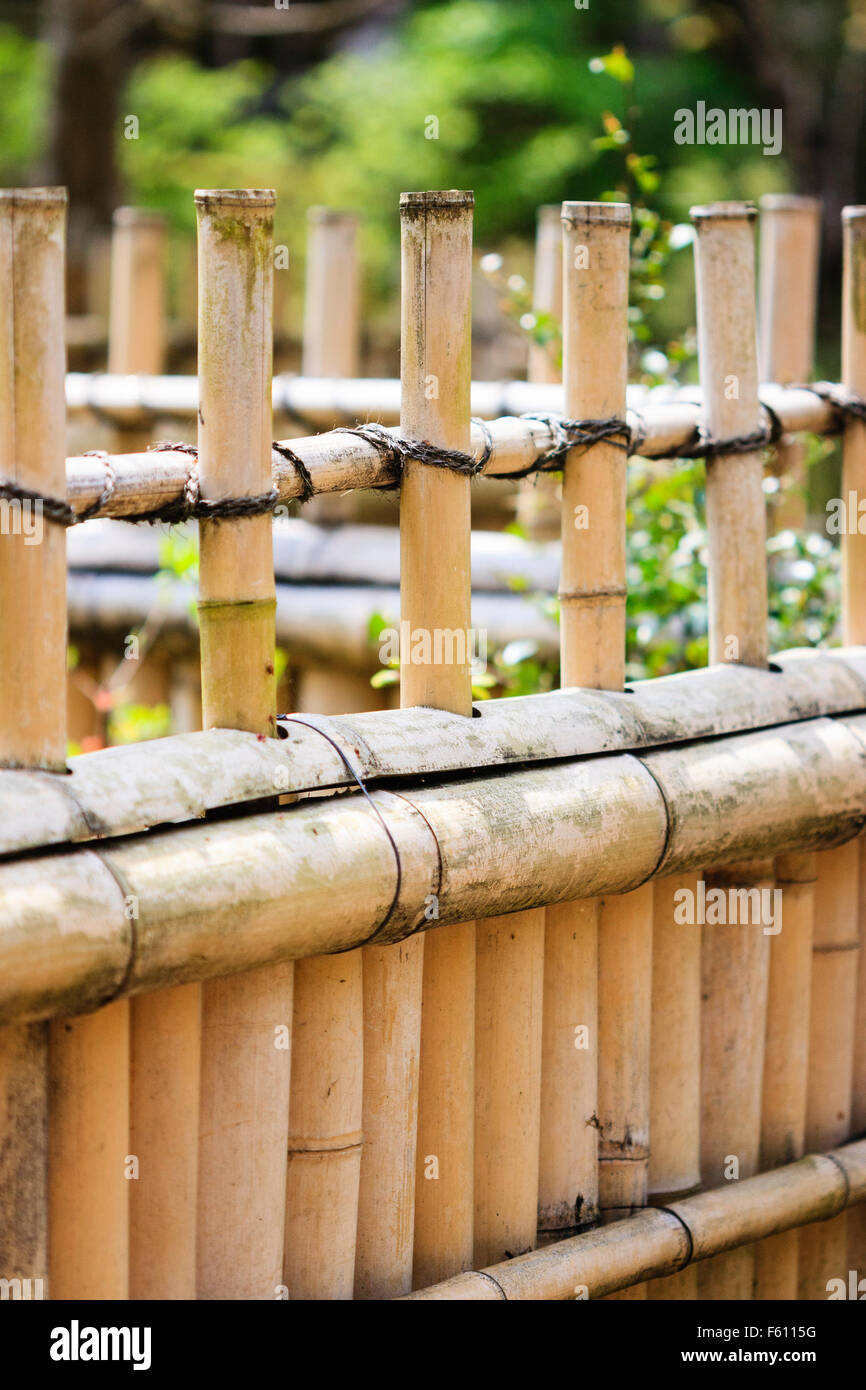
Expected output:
(854, 617)
(824, 1246)
(725, 274)
(538, 508)
(435, 593)
(165, 1027)
(592, 635)
(246, 1020)
(854, 451)
(32, 648)
(332, 301)
(136, 318)
(400, 1106)
(536, 1010)
(87, 1134)
(857, 1215)
(790, 234)
(675, 1064)
(547, 288)
(735, 959)
(786, 1059)
(790, 231)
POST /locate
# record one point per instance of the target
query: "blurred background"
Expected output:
(330, 101)
(345, 103)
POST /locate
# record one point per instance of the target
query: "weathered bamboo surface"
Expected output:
(656, 1243)
(123, 790)
(320, 876)
(338, 462)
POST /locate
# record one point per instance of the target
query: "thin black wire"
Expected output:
(292, 719)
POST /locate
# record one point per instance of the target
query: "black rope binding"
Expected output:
(395, 452)
(846, 404)
(53, 508)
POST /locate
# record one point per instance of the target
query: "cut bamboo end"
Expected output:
(724, 212)
(596, 214)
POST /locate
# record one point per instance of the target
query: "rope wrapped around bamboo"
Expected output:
(160, 483)
(663, 1240)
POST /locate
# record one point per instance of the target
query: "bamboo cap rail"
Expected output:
(319, 876)
(127, 789)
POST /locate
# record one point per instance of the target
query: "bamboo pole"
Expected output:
(824, 1248)
(854, 614)
(736, 525)
(246, 1022)
(786, 1059)
(419, 1182)
(658, 1243)
(592, 601)
(790, 230)
(538, 504)
(332, 304)
(547, 288)
(76, 1177)
(136, 318)
(735, 959)
(675, 1063)
(857, 1218)
(322, 400)
(325, 1108)
(536, 1000)
(854, 452)
(32, 658)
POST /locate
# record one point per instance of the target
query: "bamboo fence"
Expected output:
(399, 1002)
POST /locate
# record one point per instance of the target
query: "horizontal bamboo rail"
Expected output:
(321, 876)
(662, 1240)
(123, 790)
(319, 399)
(338, 461)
